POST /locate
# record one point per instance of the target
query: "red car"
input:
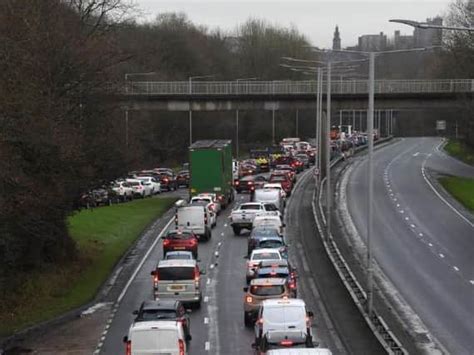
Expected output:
(282, 179)
(178, 240)
(182, 179)
(168, 181)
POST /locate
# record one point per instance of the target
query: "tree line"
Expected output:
(59, 137)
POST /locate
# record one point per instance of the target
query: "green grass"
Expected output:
(462, 189)
(460, 150)
(102, 236)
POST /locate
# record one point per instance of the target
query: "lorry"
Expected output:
(211, 169)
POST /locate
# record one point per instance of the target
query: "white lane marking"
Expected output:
(222, 234)
(416, 154)
(441, 256)
(430, 244)
(225, 224)
(206, 299)
(407, 218)
(441, 197)
(216, 253)
(456, 268)
(398, 205)
(471, 282)
(208, 282)
(412, 225)
(402, 211)
(420, 234)
(125, 289)
(211, 266)
(207, 346)
(206, 320)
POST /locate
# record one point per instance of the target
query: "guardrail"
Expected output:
(255, 88)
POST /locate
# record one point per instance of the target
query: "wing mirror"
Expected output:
(246, 289)
(153, 273)
(310, 314)
(135, 312)
(125, 339)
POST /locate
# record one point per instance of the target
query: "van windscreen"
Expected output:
(176, 273)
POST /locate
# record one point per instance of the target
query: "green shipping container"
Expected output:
(211, 169)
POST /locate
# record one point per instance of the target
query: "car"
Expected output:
(123, 190)
(275, 242)
(210, 208)
(260, 290)
(304, 159)
(247, 168)
(280, 315)
(283, 180)
(242, 217)
(250, 183)
(179, 255)
(140, 188)
(278, 269)
(179, 280)
(261, 232)
(214, 199)
(299, 351)
(288, 170)
(269, 220)
(180, 240)
(195, 218)
(182, 178)
(276, 186)
(168, 181)
(155, 183)
(258, 255)
(156, 337)
(103, 196)
(164, 310)
(269, 196)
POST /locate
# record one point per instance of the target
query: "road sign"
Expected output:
(440, 125)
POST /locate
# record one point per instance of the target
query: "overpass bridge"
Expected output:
(282, 95)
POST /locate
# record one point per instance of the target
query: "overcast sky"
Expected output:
(314, 18)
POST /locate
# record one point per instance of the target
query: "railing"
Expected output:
(255, 88)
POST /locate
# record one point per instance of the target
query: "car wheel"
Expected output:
(236, 230)
(248, 320)
(197, 305)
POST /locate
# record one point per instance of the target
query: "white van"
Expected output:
(269, 195)
(299, 351)
(156, 337)
(178, 279)
(268, 221)
(196, 219)
(282, 315)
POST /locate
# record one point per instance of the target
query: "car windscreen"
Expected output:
(134, 183)
(278, 178)
(271, 290)
(271, 272)
(250, 207)
(274, 243)
(265, 232)
(270, 207)
(156, 314)
(266, 256)
(178, 236)
(176, 273)
(170, 256)
(206, 200)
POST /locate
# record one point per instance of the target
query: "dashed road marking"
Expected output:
(471, 282)
(420, 234)
(225, 224)
(208, 282)
(430, 244)
(222, 234)
(407, 218)
(206, 299)
(207, 346)
(206, 320)
(412, 225)
(211, 266)
(416, 154)
(456, 268)
(398, 205)
(441, 256)
(402, 211)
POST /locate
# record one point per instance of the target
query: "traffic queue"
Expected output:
(280, 320)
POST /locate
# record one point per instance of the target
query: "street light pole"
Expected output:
(328, 154)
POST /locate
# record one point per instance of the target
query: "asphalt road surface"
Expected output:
(422, 244)
(218, 326)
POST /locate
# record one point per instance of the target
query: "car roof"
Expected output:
(268, 281)
(270, 263)
(265, 250)
(278, 238)
(180, 252)
(267, 217)
(161, 324)
(277, 302)
(177, 263)
(160, 304)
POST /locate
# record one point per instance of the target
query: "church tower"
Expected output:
(336, 41)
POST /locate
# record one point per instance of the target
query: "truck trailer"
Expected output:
(211, 169)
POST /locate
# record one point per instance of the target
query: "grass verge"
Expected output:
(102, 236)
(461, 188)
(460, 150)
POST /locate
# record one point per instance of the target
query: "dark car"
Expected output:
(167, 309)
(182, 178)
(273, 268)
(168, 181)
(304, 159)
(276, 242)
(249, 183)
(260, 232)
(177, 240)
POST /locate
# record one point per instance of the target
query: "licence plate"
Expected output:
(176, 288)
(179, 248)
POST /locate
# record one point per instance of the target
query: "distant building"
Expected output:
(336, 41)
(402, 42)
(428, 37)
(373, 43)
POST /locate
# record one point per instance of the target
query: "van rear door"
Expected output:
(178, 282)
(155, 341)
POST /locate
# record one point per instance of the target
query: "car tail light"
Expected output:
(155, 279)
(286, 342)
(248, 299)
(128, 348)
(259, 322)
(237, 182)
(193, 241)
(292, 285)
(165, 180)
(181, 346)
(166, 242)
(197, 276)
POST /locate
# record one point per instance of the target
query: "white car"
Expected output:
(268, 222)
(283, 318)
(276, 186)
(156, 337)
(155, 183)
(123, 190)
(140, 188)
(215, 200)
(257, 256)
(210, 208)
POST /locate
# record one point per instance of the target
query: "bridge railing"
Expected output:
(252, 88)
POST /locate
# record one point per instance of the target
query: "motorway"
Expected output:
(218, 326)
(424, 245)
